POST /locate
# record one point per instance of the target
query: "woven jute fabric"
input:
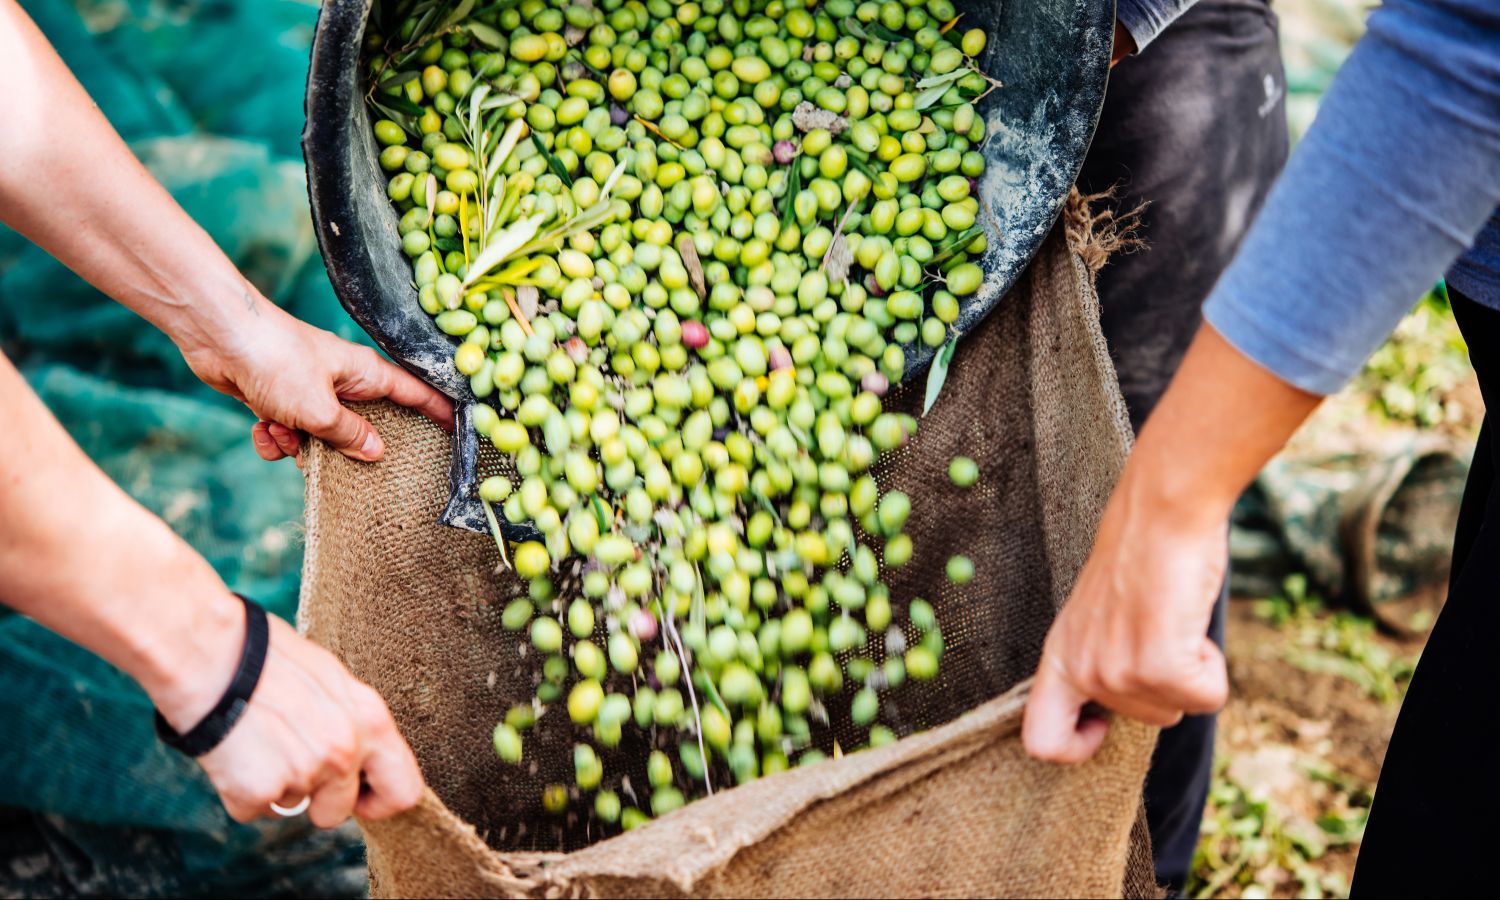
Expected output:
(956, 808)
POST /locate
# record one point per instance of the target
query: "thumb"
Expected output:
(350, 434)
(1051, 729)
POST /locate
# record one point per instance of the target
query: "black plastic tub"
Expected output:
(1052, 56)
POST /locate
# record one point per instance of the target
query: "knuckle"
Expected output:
(323, 417)
(259, 797)
(371, 711)
(1113, 678)
(342, 753)
(405, 796)
(1155, 672)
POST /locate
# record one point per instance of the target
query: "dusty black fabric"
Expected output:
(1195, 126)
(1431, 831)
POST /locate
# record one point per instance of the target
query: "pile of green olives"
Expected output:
(757, 205)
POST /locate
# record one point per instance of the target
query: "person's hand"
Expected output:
(310, 730)
(1124, 44)
(294, 376)
(1133, 634)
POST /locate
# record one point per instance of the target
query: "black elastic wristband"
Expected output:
(215, 726)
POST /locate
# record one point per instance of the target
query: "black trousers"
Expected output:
(1431, 829)
(1194, 126)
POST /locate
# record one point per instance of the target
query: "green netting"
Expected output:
(209, 93)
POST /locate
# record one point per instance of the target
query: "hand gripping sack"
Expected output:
(955, 809)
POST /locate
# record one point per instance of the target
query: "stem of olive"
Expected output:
(675, 641)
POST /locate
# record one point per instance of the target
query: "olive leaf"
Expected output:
(934, 88)
(872, 31)
(946, 77)
(476, 98)
(400, 103)
(851, 25)
(399, 118)
(553, 163)
(501, 247)
(495, 531)
(507, 146)
(399, 79)
(493, 207)
(492, 7)
(597, 214)
(938, 373)
(690, 261)
(612, 180)
(485, 35)
(707, 684)
(952, 248)
(501, 100)
(793, 187)
(459, 13)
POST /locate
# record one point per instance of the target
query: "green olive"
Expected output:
(531, 559)
(964, 279)
(960, 569)
(546, 635)
(588, 770)
(589, 660)
(507, 743)
(581, 618)
(584, 701)
(517, 614)
(921, 663)
(963, 471)
(555, 798)
(865, 707)
(665, 800)
(607, 806)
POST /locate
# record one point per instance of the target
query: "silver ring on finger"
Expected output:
(291, 812)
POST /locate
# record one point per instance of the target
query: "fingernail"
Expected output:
(371, 448)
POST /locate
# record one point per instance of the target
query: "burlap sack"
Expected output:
(956, 810)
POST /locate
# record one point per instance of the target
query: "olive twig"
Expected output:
(676, 643)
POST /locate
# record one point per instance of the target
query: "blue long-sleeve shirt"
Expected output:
(1396, 178)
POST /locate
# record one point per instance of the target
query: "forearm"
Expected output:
(71, 185)
(1222, 417)
(85, 560)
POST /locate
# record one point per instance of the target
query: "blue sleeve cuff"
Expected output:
(1145, 19)
(1275, 352)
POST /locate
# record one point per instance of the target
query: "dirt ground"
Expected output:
(1314, 697)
